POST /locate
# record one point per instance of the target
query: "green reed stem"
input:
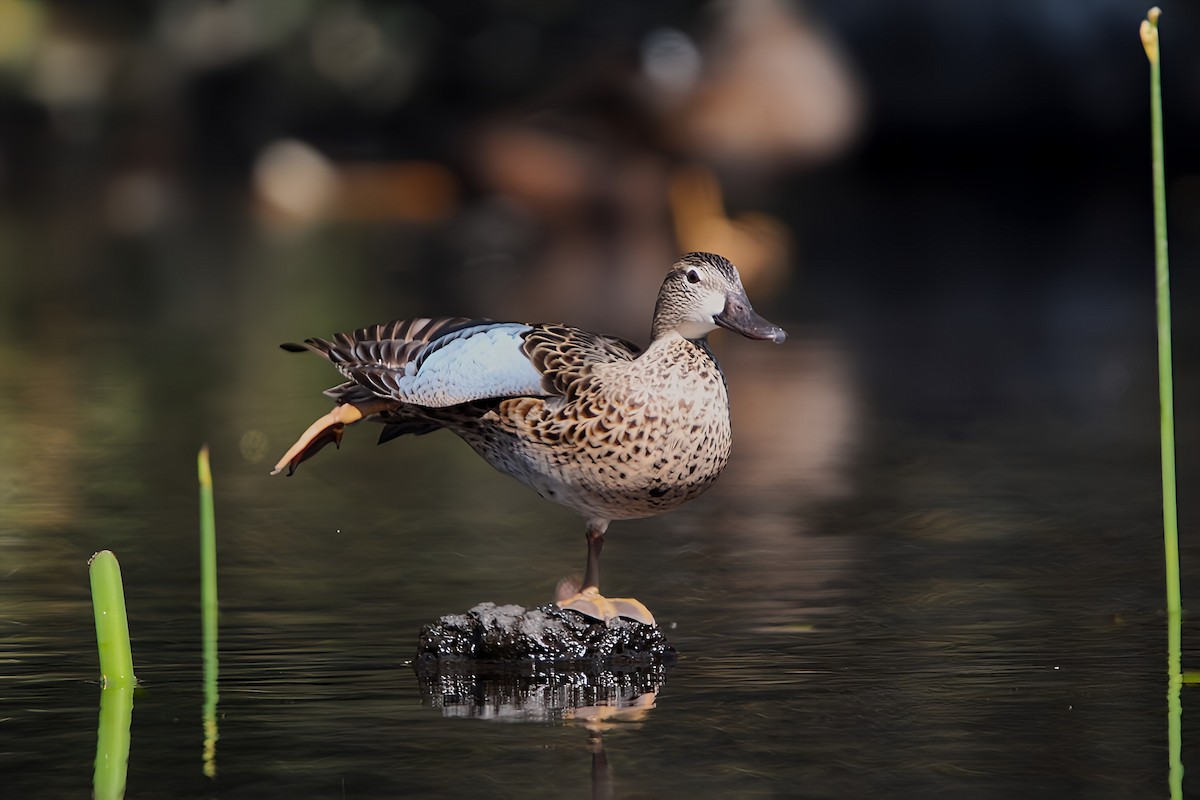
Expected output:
(112, 625)
(1149, 32)
(208, 556)
(208, 609)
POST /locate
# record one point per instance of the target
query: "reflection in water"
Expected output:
(545, 694)
(210, 711)
(602, 787)
(598, 719)
(1174, 704)
(598, 699)
(112, 742)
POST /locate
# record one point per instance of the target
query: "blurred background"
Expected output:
(946, 204)
(905, 178)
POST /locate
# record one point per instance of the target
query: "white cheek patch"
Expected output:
(486, 364)
(699, 323)
(714, 303)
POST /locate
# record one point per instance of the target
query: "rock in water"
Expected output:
(505, 636)
(541, 664)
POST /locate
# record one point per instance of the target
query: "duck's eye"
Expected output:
(693, 276)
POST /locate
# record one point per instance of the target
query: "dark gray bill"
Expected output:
(739, 317)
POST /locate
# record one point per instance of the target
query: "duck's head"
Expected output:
(702, 292)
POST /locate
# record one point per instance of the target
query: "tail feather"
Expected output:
(393, 430)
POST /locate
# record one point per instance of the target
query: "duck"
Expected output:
(589, 421)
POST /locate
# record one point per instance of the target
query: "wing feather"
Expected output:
(439, 362)
(566, 356)
(432, 362)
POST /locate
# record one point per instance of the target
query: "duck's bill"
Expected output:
(739, 317)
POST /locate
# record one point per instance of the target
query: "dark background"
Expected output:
(997, 176)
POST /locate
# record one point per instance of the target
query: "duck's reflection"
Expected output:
(544, 695)
(600, 699)
(599, 718)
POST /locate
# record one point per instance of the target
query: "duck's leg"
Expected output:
(588, 601)
(328, 428)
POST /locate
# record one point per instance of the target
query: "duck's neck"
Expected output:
(675, 367)
(672, 342)
(694, 331)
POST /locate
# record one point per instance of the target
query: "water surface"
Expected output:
(940, 585)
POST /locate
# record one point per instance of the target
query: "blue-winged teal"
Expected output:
(585, 420)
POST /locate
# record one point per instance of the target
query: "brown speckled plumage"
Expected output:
(584, 419)
(625, 438)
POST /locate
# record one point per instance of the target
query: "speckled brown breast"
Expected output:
(637, 439)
